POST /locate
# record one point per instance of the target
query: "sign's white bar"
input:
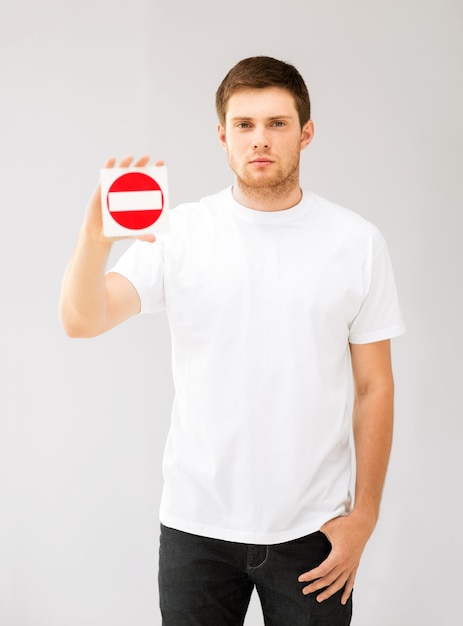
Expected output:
(135, 200)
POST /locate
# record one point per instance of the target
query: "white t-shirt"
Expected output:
(262, 307)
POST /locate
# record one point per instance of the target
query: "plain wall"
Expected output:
(83, 422)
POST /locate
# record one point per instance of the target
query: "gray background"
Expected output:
(83, 422)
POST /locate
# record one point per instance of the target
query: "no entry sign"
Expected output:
(134, 200)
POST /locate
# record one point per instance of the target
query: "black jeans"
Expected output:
(208, 582)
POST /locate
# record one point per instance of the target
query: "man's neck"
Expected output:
(268, 199)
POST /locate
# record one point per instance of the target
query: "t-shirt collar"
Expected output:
(265, 217)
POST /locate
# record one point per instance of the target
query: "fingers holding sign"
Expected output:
(127, 162)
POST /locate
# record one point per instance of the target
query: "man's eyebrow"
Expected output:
(246, 118)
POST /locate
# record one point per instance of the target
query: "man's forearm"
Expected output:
(83, 305)
(373, 425)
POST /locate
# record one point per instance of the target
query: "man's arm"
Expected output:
(372, 424)
(91, 302)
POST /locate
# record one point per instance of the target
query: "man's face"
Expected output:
(263, 138)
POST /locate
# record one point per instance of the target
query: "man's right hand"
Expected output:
(93, 224)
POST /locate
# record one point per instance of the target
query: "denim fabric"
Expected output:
(208, 582)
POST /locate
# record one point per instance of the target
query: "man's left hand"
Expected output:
(348, 536)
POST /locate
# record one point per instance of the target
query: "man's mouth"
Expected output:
(261, 161)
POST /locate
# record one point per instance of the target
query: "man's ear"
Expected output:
(308, 131)
(222, 136)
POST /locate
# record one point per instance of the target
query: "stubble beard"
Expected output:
(263, 188)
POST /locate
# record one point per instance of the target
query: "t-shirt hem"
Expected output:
(245, 536)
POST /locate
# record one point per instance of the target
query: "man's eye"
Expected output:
(278, 123)
(243, 125)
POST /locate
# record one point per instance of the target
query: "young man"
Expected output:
(275, 297)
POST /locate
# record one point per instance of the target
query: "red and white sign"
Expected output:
(134, 200)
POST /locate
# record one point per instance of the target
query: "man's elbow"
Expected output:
(77, 327)
(380, 385)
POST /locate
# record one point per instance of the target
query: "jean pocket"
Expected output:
(325, 537)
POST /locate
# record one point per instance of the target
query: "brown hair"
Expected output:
(258, 73)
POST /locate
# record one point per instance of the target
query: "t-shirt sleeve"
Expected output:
(380, 316)
(143, 265)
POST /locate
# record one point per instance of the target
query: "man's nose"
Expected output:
(261, 139)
